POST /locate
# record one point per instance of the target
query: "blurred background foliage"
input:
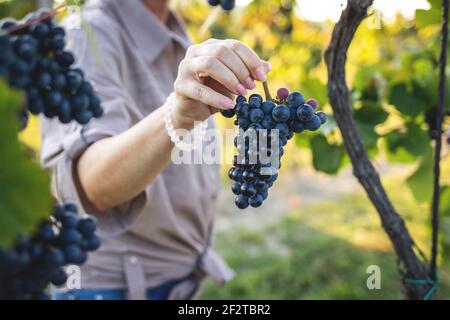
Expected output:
(319, 233)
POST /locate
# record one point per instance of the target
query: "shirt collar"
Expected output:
(148, 33)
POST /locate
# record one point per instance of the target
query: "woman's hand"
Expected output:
(210, 75)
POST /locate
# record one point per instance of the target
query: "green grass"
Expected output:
(321, 251)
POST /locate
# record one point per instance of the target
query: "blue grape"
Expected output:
(248, 176)
(297, 126)
(236, 188)
(84, 117)
(255, 101)
(283, 129)
(267, 107)
(242, 202)
(229, 113)
(94, 242)
(74, 254)
(74, 80)
(268, 122)
(71, 207)
(69, 221)
(256, 115)
(243, 109)
(54, 257)
(227, 5)
(281, 113)
(80, 103)
(58, 277)
(39, 30)
(322, 116)
(241, 99)
(305, 113)
(65, 59)
(244, 123)
(248, 189)
(296, 99)
(70, 236)
(313, 124)
(256, 201)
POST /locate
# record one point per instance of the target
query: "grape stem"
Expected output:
(267, 91)
(45, 16)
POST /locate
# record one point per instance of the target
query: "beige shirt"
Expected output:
(159, 236)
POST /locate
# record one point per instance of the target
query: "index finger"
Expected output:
(250, 59)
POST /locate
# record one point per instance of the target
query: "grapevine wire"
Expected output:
(438, 147)
(434, 272)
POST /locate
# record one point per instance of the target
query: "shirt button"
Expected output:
(133, 260)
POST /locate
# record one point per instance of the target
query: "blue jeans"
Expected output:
(157, 293)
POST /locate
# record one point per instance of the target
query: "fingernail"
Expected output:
(227, 103)
(267, 66)
(261, 74)
(249, 83)
(241, 90)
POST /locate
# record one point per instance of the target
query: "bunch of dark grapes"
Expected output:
(226, 5)
(32, 58)
(34, 262)
(265, 129)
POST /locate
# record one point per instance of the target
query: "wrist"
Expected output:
(179, 118)
(182, 122)
(175, 120)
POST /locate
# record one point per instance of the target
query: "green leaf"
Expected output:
(24, 187)
(363, 77)
(432, 16)
(371, 113)
(327, 157)
(421, 181)
(423, 70)
(368, 134)
(417, 140)
(444, 207)
(405, 101)
(313, 87)
(406, 147)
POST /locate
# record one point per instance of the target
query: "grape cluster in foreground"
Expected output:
(34, 262)
(32, 58)
(226, 5)
(265, 128)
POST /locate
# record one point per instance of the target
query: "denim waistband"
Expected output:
(160, 292)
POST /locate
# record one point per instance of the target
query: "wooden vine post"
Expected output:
(413, 268)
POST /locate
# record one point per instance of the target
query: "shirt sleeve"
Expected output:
(98, 52)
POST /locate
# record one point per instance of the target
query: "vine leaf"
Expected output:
(406, 147)
(432, 16)
(327, 157)
(445, 201)
(405, 101)
(24, 193)
(421, 181)
(371, 112)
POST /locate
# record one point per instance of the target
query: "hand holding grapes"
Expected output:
(210, 74)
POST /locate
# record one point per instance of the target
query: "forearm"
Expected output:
(117, 169)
